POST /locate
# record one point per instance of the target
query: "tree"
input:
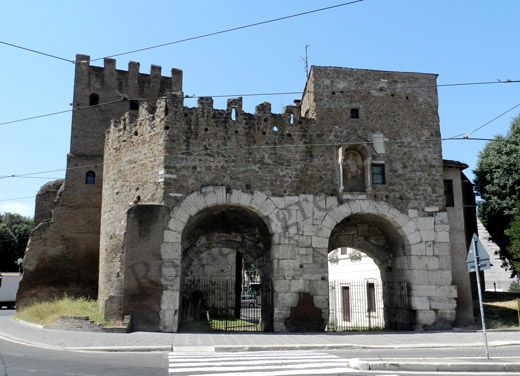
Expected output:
(497, 181)
(513, 248)
(514, 287)
(14, 235)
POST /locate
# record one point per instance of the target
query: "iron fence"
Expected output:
(217, 305)
(368, 305)
(213, 305)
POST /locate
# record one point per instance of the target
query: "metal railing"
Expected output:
(213, 305)
(368, 305)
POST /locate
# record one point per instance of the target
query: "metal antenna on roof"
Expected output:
(306, 58)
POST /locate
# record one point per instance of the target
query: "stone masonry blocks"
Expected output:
(425, 317)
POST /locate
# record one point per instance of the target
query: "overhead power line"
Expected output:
(466, 135)
(260, 94)
(17, 198)
(37, 52)
(271, 146)
(230, 30)
(483, 125)
(187, 39)
(59, 112)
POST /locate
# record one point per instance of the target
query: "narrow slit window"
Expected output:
(90, 178)
(233, 114)
(378, 173)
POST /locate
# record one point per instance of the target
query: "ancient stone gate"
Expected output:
(355, 163)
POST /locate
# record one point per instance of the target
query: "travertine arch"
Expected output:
(207, 197)
(256, 203)
(402, 224)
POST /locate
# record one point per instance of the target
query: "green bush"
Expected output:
(514, 287)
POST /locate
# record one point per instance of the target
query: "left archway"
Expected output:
(213, 242)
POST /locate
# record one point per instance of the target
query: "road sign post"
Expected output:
(480, 261)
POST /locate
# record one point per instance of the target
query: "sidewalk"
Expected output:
(35, 335)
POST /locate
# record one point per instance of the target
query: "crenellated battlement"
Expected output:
(97, 91)
(131, 82)
(209, 125)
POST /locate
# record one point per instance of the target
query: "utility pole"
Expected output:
(477, 260)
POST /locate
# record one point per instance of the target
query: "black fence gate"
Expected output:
(218, 305)
(368, 305)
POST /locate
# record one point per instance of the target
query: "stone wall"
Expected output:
(133, 175)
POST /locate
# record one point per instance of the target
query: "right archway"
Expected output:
(379, 238)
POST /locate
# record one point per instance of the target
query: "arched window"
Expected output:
(93, 100)
(90, 178)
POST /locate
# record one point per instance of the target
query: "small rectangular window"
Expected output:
(448, 193)
(354, 113)
(378, 173)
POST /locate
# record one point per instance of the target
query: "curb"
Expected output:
(231, 348)
(29, 343)
(123, 349)
(439, 365)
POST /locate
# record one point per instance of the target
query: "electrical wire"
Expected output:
(229, 30)
(483, 125)
(37, 52)
(266, 94)
(466, 135)
(196, 152)
(186, 39)
(60, 112)
(17, 198)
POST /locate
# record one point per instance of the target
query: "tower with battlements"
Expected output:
(63, 254)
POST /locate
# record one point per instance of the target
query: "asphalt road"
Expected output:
(22, 360)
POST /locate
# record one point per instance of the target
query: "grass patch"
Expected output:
(46, 313)
(232, 324)
(500, 311)
(501, 315)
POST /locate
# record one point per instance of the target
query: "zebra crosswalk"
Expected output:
(257, 363)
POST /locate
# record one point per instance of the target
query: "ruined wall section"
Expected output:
(133, 175)
(45, 200)
(397, 119)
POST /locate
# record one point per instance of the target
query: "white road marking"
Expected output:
(261, 363)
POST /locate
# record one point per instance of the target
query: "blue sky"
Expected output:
(461, 41)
